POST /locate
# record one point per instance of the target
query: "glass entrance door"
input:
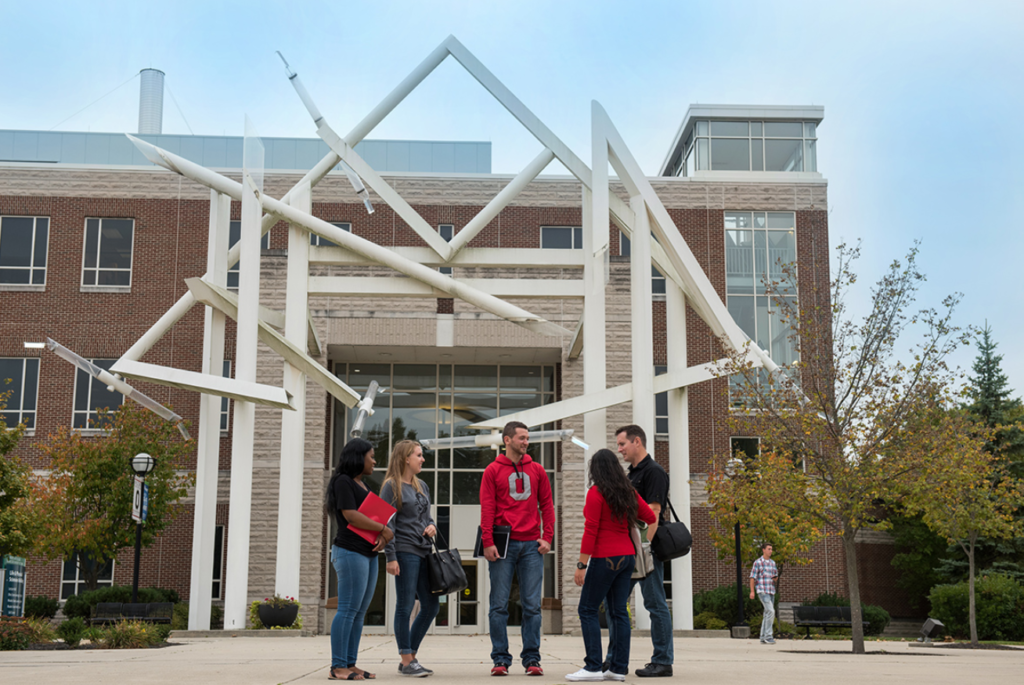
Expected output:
(463, 613)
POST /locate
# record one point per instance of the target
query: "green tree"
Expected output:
(992, 402)
(849, 410)
(16, 522)
(85, 504)
(966, 495)
(919, 553)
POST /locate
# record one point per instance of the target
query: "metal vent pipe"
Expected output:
(151, 101)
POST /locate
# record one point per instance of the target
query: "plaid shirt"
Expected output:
(763, 572)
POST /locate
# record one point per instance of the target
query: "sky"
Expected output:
(922, 138)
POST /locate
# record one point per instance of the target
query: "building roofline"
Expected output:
(815, 113)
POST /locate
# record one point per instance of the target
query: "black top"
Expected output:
(348, 494)
(651, 482)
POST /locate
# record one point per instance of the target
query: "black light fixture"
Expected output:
(932, 628)
(142, 464)
(733, 468)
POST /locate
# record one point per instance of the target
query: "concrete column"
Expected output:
(204, 525)
(679, 453)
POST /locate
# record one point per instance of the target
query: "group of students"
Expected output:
(515, 493)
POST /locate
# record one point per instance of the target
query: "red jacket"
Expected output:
(603, 534)
(528, 481)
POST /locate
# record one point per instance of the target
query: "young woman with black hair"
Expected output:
(606, 561)
(354, 559)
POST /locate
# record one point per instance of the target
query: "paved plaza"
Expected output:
(464, 659)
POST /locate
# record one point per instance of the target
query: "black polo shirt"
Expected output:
(651, 481)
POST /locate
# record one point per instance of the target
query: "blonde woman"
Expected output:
(407, 552)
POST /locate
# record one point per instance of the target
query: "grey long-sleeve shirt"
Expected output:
(409, 523)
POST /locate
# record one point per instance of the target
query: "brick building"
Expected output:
(112, 238)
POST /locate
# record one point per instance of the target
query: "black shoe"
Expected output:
(607, 665)
(655, 671)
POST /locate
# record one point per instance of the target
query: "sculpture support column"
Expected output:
(594, 356)
(236, 581)
(679, 453)
(204, 524)
(293, 423)
(642, 336)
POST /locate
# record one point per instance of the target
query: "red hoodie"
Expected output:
(529, 482)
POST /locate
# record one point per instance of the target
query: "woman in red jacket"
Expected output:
(606, 562)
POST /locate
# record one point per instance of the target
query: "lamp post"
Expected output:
(733, 468)
(143, 465)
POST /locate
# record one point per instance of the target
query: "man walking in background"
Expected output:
(762, 583)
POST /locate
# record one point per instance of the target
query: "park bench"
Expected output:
(112, 612)
(823, 617)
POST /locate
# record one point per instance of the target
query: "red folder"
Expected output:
(378, 510)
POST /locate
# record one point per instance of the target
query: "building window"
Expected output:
(20, 378)
(561, 237)
(758, 247)
(91, 395)
(234, 234)
(447, 232)
(23, 242)
(747, 449)
(661, 406)
(657, 278)
(318, 241)
(218, 561)
(224, 407)
(108, 252)
(750, 146)
(73, 580)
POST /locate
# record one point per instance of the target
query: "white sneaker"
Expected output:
(618, 677)
(585, 675)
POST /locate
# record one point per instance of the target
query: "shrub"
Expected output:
(71, 631)
(700, 621)
(94, 634)
(716, 624)
(83, 604)
(41, 630)
(722, 603)
(40, 607)
(999, 604)
(130, 635)
(14, 634)
(877, 617)
(162, 632)
(179, 620)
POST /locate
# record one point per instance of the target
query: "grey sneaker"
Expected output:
(417, 662)
(413, 670)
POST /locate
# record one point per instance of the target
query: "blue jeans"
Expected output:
(607, 579)
(653, 589)
(767, 623)
(357, 579)
(528, 564)
(413, 582)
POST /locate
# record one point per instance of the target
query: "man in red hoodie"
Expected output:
(515, 492)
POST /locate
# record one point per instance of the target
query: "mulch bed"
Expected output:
(60, 646)
(968, 645)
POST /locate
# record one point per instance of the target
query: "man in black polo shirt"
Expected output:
(651, 481)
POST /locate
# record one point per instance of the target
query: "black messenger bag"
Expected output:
(444, 569)
(673, 539)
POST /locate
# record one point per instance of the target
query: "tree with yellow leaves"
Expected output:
(967, 493)
(846, 416)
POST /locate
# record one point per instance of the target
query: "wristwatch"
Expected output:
(581, 566)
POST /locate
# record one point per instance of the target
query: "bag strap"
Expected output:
(670, 508)
(433, 540)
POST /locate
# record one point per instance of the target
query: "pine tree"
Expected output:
(993, 404)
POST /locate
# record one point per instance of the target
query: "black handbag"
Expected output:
(673, 539)
(444, 569)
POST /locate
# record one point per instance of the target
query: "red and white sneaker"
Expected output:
(499, 670)
(533, 668)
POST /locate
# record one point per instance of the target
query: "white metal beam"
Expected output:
(385, 286)
(469, 257)
(233, 388)
(562, 410)
(227, 302)
(576, 346)
(500, 201)
(679, 452)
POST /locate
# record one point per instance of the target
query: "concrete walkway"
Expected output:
(464, 659)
